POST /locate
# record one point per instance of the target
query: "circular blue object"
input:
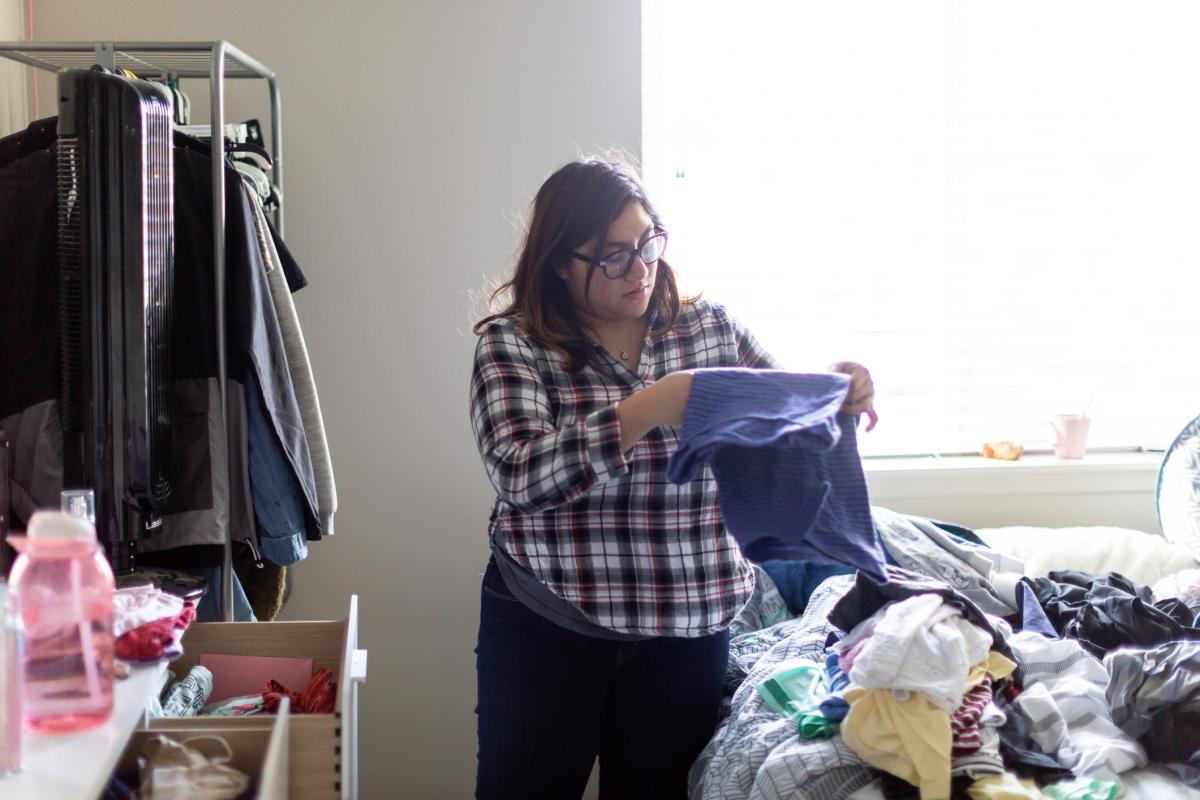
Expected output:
(1177, 494)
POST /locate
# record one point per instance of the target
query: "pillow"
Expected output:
(1177, 494)
(1141, 557)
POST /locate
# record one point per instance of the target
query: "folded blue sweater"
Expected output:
(788, 474)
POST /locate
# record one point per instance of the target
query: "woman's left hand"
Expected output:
(861, 397)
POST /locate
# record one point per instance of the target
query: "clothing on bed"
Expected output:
(834, 706)
(894, 788)
(753, 752)
(1058, 729)
(979, 715)
(764, 608)
(869, 595)
(1003, 787)
(786, 464)
(797, 580)
(1107, 611)
(1033, 618)
(902, 733)
(1155, 697)
(964, 722)
(1083, 789)
(918, 659)
(920, 644)
(1072, 718)
(987, 759)
(1183, 586)
(1020, 750)
(919, 545)
(961, 532)
(796, 690)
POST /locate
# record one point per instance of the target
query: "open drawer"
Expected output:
(260, 750)
(322, 761)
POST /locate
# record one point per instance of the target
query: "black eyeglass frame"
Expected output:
(629, 255)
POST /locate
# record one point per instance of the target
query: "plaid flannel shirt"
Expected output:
(607, 531)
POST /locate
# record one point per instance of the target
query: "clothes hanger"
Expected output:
(250, 151)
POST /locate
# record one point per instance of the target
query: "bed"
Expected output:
(756, 754)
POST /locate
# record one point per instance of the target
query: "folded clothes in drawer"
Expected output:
(236, 675)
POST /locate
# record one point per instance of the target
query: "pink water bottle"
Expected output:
(64, 590)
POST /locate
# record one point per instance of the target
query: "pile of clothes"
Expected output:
(953, 676)
(149, 623)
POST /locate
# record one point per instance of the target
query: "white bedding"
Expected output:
(1141, 557)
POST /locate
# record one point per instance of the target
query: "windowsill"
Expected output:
(1037, 474)
(1044, 462)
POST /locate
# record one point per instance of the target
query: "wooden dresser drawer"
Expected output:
(322, 748)
(259, 750)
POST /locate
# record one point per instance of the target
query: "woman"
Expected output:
(605, 605)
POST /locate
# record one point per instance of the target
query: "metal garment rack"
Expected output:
(215, 62)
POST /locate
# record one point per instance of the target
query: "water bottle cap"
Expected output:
(59, 526)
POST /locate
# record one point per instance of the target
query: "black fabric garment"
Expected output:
(1107, 611)
(1155, 698)
(196, 556)
(868, 596)
(291, 270)
(38, 135)
(30, 343)
(1032, 617)
(1175, 739)
(1021, 753)
(966, 534)
(895, 788)
(246, 305)
(42, 133)
(7, 554)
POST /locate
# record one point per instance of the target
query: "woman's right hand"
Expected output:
(661, 403)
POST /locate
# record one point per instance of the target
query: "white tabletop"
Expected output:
(77, 766)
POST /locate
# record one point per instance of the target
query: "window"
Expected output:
(994, 206)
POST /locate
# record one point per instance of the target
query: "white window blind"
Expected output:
(994, 206)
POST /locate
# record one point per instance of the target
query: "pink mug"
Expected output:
(1070, 435)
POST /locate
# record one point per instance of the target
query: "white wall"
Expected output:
(14, 94)
(414, 133)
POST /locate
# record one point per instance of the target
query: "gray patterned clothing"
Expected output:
(1069, 712)
(750, 628)
(765, 607)
(1155, 697)
(758, 755)
(186, 698)
(920, 546)
(986, 760)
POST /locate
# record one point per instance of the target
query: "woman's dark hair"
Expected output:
(575, 205)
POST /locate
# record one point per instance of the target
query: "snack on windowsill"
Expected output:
(1004, 451)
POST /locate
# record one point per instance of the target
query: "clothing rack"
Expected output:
(215, 62)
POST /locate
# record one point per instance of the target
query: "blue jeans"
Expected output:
(209, 607)
(551, 700)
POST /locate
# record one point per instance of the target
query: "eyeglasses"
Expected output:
(617, 265)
